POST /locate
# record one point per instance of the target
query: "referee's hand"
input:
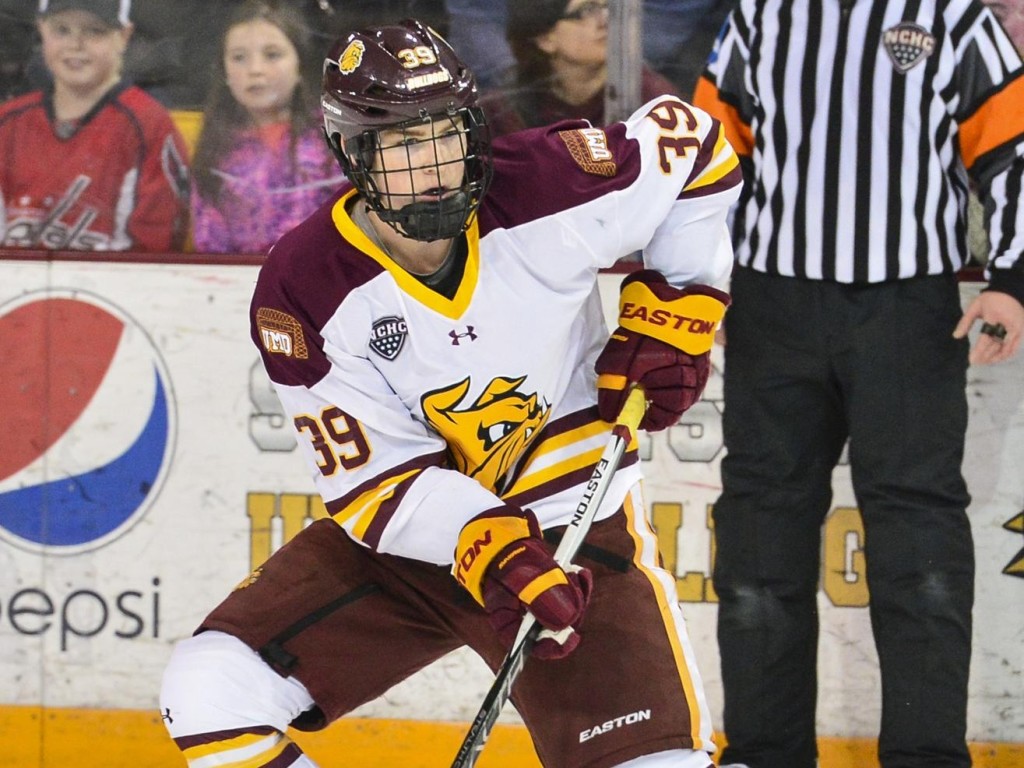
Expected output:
(1002, 318)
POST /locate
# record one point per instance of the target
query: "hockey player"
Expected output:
(433, 331)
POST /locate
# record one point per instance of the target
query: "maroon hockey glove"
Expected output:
(502, 560)
(663, 343)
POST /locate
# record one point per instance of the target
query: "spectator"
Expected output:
(171, 46)
(90, 163)
(860, 123)
(167, 55)
(561, 50)
(478, 31)
(678, 35)
(329, 18)
(17, 38)
(261, 164)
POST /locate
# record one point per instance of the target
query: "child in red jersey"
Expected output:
(90, 163)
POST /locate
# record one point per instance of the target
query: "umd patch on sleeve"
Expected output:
(589, 148)
(281, 333)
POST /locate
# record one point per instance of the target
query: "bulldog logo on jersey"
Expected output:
(387, 337)
(907, 44)
(487, 438)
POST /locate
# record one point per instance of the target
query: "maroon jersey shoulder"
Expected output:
(307, 275)
(541, 171)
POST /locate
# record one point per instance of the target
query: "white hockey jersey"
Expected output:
(417, 412)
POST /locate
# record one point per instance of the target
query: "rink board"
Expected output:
(151, 418)
(94, 738)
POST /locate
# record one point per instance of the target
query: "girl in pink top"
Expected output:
(261, 165)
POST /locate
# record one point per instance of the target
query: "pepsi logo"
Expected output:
(87, 424)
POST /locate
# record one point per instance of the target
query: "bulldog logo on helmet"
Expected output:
(352, 57)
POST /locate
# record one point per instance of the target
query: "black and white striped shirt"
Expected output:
(860, 122)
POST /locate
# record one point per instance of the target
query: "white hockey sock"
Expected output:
(222, 704)
(673, 758)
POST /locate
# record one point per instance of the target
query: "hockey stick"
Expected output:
(625, 428)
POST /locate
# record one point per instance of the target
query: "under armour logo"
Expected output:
(167, 716)
(456, 336)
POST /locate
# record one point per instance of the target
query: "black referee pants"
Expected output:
(809, 364)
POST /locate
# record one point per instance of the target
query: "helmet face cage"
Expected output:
(392, 173)
(399, 114)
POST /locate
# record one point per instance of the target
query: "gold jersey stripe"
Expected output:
(254, 762)
(216, 753)
(726, 160)
(245, 740)
(367, 504)
(530, 478)
(560, 469)
(568, 438)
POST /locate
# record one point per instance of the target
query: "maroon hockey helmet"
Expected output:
(393, 78)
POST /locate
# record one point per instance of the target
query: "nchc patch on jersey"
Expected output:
(417, 411)
(908, 44)
(940, 82)
(387, 336)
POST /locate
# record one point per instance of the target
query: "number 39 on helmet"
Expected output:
(395, 78)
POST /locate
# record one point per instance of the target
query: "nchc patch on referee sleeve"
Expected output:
(589, 148)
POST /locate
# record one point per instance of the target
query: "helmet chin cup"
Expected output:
(431, 220)
(417, 213)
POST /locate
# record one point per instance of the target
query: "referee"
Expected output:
(862, 124)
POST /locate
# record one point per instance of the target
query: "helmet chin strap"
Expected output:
(427, 221)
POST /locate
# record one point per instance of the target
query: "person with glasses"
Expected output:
(561, 51)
